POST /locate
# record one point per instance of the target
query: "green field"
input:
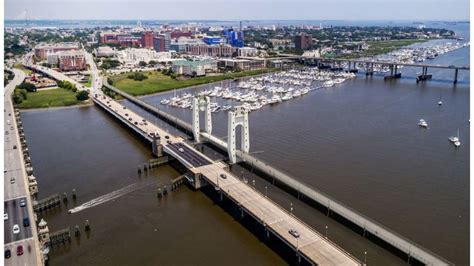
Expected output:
(49, 98)
(382, 47)
(157, 82)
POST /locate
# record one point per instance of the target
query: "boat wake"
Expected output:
(110, 196)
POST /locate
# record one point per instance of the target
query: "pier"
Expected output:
(309, 247)
(367, 227)
(47, 203)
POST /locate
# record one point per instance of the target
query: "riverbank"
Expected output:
(157, 82)
(50, 98)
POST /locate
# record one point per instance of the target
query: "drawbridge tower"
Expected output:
(238, 116)
(201, 103)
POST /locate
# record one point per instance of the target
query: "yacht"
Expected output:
(422, 123)
(165, 101)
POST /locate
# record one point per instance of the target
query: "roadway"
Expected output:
(310, 243)
(13, 191)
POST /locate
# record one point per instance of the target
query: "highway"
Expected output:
(17, 189)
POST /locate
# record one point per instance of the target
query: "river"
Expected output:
(358, 141)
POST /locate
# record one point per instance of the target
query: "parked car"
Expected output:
(12, 180)
(19, 250)
(5, 216)
(223, 176)
(22, 202)
(8, 254)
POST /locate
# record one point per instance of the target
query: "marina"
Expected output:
(257, 92)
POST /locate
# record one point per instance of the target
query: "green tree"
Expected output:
(142, 63)
(82, 95)
(27, 86)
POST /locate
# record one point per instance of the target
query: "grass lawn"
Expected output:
(383, 47)
(158, 82)
(49, 98)
(88, 83)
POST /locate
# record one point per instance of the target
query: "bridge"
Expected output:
(360, 222)
(309, 246)
(368, 65)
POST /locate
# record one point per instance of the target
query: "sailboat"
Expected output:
(455, 140)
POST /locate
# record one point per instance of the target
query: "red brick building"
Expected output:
(211, 50)
(147, 40)
(72, 60)
(42, 50)
(303, 41)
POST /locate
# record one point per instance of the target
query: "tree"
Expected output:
(142, 63)
(17, 98)
(27, 86)
(110, 81)
(152, 63)
(82, 95)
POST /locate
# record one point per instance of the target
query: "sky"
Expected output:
(239, 9)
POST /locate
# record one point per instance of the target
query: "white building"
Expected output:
(133, 56)
(247, 52)
(105, 51)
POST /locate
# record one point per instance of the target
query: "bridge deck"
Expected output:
(310, 243)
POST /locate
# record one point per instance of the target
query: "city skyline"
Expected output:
(232, 10)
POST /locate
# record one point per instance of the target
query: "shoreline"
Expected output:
(55, 107)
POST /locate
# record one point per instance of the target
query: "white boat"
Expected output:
(422, 123)
(165, 101)
(455, 140)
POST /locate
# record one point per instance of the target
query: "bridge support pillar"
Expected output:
(456, 76)
(238, 116)
(201, 103)
(157, 147)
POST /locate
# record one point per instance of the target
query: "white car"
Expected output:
(5, 216)
(16, 229)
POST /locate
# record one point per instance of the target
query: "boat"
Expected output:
(165, 101)
(422, 123)
(455, 140)
(440, 102)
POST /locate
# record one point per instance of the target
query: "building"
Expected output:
(71, 60)
(180, 44)
(247, 52)
(211, 50)
(211, 40)
(124, 39)
(52, 59)
(147, 39)
(131, 57)
(234, 38)
(240, 64)
(159, 43)
(105, 51)
(42, 50)
(194, 68)
(179, 34)
(303, 41)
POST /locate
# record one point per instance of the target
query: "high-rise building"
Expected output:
(303, 41)
(234, 38)
(159, 43)
(147, 40)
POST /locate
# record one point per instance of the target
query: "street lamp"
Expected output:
(266, 191)
(326, 231)
(365, 257)
(253, 182)
(291, 207)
